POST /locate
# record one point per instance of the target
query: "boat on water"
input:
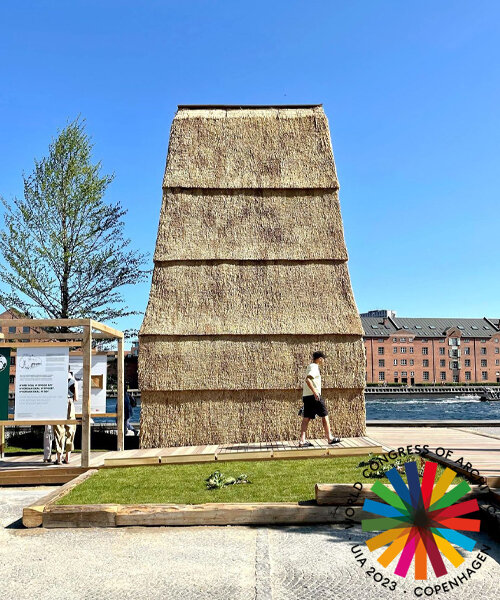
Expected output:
(490, 394)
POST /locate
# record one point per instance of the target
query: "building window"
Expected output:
(467, 362)
(455, 378)
(454, 341)
(424, 340)
(443, 375)
(404, 374)
(412, 362)
(426, 375)
(425, 350)
(395, 374)
(442, 363)
(403, 362)
(496, 340)
(11, 378)
(410, 349)
(483, 341)
(412, 373)
(442, 341)
(381, 376)
(26, 329)
(395, 350)
(402, 339)
(497, 350)
(381, 362)
(467, 350)
(394, 340)
(466, 340)
(467, 375)
(484, 375)
(497, 361)
(403, 350)
(380, 349)
(441, 351)
(484, 362)
(425, 362)
(395, 362)
(454, 364)
(410, 339)
(12, 330)
(483, 350)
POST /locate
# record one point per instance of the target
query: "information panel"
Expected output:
(41, 383)
(4, 383)
(98, 374)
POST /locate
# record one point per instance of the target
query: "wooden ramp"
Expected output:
(250, 451)
(31, 470)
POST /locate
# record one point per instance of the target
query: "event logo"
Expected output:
(420, 520)
(3, 363)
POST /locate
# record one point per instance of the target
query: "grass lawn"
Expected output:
(271, 481)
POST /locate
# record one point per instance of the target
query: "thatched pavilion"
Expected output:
(250, 277)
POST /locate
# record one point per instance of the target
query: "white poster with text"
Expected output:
(41, 384)
(98, 373)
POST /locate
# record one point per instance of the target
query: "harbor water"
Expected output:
(400, 408)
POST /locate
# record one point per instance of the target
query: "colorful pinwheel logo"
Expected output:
(420, 520)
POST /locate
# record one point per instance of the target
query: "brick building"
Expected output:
(420, 350)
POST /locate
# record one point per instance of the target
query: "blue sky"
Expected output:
(411, 91)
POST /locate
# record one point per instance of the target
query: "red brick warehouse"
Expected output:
(420, 350)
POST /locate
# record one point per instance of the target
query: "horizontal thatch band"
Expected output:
(247, 362)
(212, 417)
(250, 224)
(255, 298)
(250, 148)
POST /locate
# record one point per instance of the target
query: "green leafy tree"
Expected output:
(64, 254)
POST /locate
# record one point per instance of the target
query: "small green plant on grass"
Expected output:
(218, 480)
(385, 465)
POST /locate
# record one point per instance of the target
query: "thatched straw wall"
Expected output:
(250, 277)
(241, 416)
(250, 148)
(250, 224)
(248, 362)
(251, 297)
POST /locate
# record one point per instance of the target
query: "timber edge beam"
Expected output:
(40, 323)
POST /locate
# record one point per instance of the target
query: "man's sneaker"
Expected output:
(334, 440)
(306, 445)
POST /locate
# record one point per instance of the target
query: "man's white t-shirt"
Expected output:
(313, 371)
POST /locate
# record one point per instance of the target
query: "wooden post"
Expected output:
(86, 403)
(2, 441)
(119, 399)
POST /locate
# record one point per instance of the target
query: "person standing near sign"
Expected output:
(65, 434)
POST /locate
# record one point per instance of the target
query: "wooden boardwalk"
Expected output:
(482, 450)
(30, 470)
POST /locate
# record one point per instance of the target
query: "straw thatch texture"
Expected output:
(250, 224)
(250, 148)
(247, 362)
(241, 416)
(250, 277)
(251, 297)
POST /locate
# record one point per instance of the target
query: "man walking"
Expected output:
(313, 402)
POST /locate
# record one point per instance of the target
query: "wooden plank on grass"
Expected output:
(132, 462)
(90, 515)
(250, 455)
(228, 514)
(32, 514)
(345, 494)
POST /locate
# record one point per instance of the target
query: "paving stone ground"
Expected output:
(198, 563)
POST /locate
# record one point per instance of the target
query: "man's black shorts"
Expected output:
(313, 407)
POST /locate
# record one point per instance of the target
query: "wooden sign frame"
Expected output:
(37, 338)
